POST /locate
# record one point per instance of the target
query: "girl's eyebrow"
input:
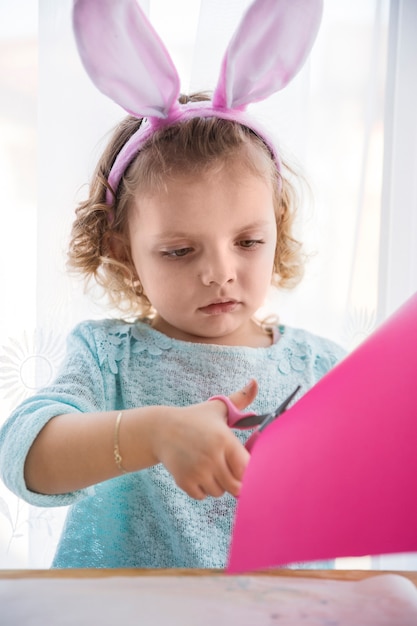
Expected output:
(169, 235)
(255, 224)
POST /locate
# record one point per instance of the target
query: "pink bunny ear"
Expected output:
(269, 47)
(124, 56)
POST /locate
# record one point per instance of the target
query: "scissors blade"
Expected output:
(250, 421)
(282, 407)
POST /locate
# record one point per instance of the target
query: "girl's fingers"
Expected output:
(213, 488)
(216, 488)
(244, 397)
(197, 492)
(230, 473)
(237, 459)
(213, 484)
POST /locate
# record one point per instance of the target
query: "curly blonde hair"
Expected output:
(99, 246)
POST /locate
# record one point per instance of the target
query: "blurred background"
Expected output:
(348, 120)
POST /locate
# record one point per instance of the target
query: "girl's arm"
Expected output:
(76, 450)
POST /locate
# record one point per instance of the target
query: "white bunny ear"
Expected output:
(124, 56)
(269, 47)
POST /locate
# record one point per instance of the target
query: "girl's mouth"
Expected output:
(217, 308)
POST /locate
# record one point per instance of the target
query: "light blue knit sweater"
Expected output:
(144, 519)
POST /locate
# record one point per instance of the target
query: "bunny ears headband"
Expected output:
(128, 62)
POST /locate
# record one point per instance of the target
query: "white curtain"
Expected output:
(348, 119)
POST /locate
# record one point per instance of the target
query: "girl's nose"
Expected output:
(217, 269)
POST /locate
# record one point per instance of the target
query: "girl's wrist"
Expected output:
(139, 434)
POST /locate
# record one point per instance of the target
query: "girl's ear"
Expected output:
(125, 57)
(268, 49)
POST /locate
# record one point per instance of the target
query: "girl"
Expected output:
(186, 225)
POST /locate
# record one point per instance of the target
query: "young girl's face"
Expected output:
(204, 249)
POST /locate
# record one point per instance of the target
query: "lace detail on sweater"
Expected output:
(156, 342)
(109, 349)
(294, 358)
(111, 345)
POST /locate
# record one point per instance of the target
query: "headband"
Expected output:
(127, 61)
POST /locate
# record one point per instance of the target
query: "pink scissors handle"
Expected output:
(233, 413)
(238, 419)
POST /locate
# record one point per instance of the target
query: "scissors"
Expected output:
(244, 421)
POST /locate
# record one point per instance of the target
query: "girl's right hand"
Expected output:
(199, 449)
(195, 444)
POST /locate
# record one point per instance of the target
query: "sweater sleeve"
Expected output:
(79, 387)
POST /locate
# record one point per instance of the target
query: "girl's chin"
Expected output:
(217, 328)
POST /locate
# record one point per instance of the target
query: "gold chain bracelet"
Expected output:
(116, 450)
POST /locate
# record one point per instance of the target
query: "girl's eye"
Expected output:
(176, 254)
(250, 243)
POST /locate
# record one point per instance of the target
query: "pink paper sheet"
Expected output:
(336, 475)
